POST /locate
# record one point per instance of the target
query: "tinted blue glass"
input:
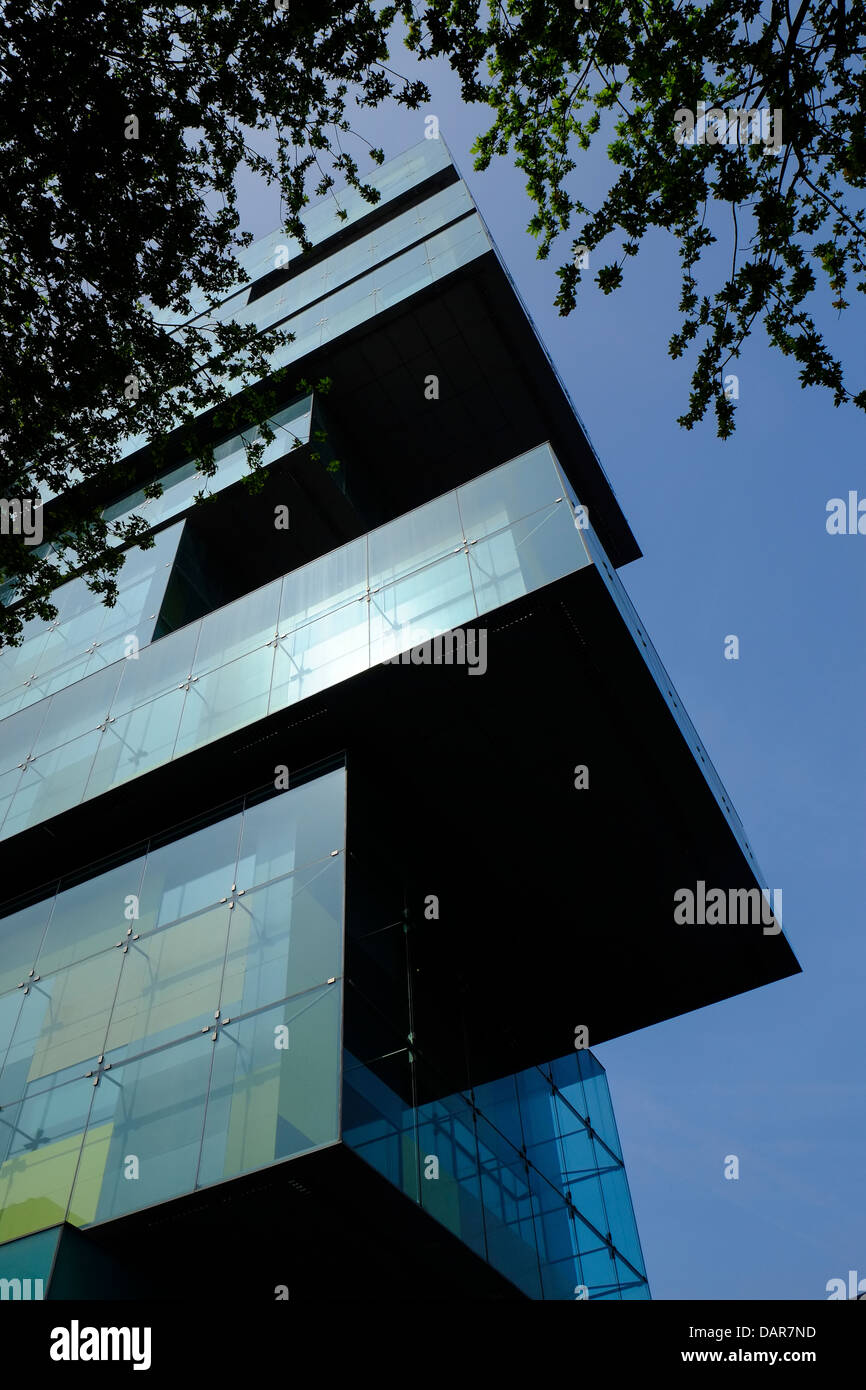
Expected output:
(380, 1126)
(509, 1204)
(450, 1178)
(20, 936)
(53, 783)
(19, 732)
(29, 1260)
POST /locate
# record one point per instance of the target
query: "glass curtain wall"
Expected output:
(174, 1020)
(445, 564)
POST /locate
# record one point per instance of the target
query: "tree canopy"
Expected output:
(123, 127)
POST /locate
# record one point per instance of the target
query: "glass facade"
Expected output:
(353, 304)
(393, 179)
(331, 273)
(447, 563)
(204, 1004)
(359, 281)
(527, 1171)
(176, 1019)
(86, 636)
(181, 486)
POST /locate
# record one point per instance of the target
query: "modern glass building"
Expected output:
(353, 825)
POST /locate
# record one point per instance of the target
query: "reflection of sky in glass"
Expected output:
(436, 568)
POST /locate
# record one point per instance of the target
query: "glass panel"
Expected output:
(44, 1135)
(455, 246)
(327, 583)
(62, 1024)
(77, 710)
(134, 743)
(65, 673)
(150, 1109)
(189, 874)
(9, 783)
(450, 1182)
(28, 1261)
(379, 1125)
(163, 666)
(529, 554)
(10, 1008)
(585, 1189)
(20, 937)
(599, 1274)
(226, 699)
(88, 635)
(18, 733)
(620, 1214)
(497, 1101)
(424, 535)
(326, 651)
(17, 663)
(598, 1107)
(238, 628)
(285, 832)
(284, 938)
(275, 1089)
(415, 609)
(508, 1220)
(18, 698)
(403, 277)
(116, 645)
(505, 494)
(170, 982)
(51, 784)
(89, 917)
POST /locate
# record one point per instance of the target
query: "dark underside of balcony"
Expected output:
(555, 904)
(321, 1227)
(498, 396)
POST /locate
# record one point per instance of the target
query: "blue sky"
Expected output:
(734, 541)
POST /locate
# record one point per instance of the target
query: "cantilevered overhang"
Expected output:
(437, 374)
(499, 395)
(324, 1225)
(556, 904)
